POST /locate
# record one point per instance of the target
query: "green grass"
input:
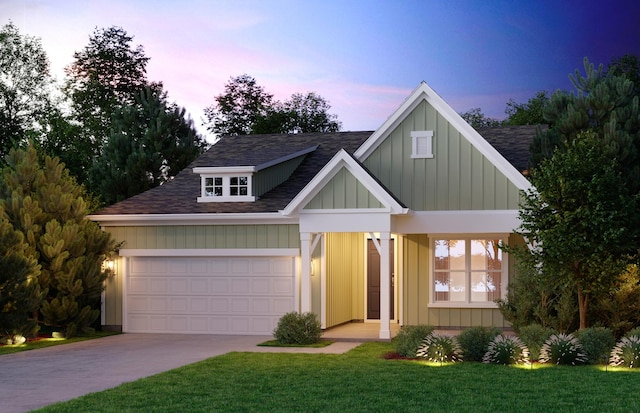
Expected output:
(276, 343)
(49, 342)
(360, 381)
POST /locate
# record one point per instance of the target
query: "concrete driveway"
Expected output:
(36, 378)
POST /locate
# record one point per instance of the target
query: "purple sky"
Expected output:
(365, 57)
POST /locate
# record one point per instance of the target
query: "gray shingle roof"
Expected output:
(513, 142)
(179, 196)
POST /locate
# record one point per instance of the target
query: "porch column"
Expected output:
(385, 286)
(305, 272)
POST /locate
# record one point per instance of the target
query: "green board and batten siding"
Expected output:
(344, 191)
(207, 236)
(458, 177)
(269, 178)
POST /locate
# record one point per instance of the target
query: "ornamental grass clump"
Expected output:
(296, 328)
(506, 350)
(440, 349)
(563, 349)
(626, 353)
(474, 342)
(409, 338)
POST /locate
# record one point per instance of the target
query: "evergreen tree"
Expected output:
(48, 207)
(20, 294)
(150, 142)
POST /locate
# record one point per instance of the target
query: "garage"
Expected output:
(207, 295)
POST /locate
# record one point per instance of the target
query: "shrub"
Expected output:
(562, 349)
(626, 353)
(506, 350)
(533, 336)
(440, 348)
(634, 332)
(410, 338)
(597, 343)
(474, 341)
(295, 328)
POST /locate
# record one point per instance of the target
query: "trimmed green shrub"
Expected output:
(296, 328)
(440, 349)
(474, 341)
(626, 353)
(409, 338)
(533, 336)
(563, 349)
(506, 350)
(597, 343)
(634, 332)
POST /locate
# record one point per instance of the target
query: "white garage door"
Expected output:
(216, 295)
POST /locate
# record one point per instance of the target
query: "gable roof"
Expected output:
(179, 195)
(424, 93)
(341, 160)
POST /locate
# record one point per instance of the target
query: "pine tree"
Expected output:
(44, 203)
(20, 293)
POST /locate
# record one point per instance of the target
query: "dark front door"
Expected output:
(373, 281)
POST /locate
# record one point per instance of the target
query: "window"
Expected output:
(468, 271)
(422, 144)
(213, 186)
(226, 188)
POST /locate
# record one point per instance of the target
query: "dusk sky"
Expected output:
(365, 57)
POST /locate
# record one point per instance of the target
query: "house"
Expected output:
(400, 225)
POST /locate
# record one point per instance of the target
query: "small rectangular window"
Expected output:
(238, 186)
(213, 186)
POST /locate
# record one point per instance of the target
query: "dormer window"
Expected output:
(222, 185)
(422, 144)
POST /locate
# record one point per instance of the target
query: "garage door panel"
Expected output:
(230, 295)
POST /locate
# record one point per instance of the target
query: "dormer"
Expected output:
(226, 184)
(248, 183)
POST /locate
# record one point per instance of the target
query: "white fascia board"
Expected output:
(424, 92)
(346, 222)
(218, 252)
(125, 220)
(342, 160)
(224, 169)
(458, 222)
(286, 158)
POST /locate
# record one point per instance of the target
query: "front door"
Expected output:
(373, 280)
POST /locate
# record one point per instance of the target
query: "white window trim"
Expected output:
(226, 186)
(426, 135)
(466, 304)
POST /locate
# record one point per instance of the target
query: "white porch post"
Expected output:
(305, 272)
(385, 286)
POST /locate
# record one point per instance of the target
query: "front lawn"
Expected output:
(361, 380)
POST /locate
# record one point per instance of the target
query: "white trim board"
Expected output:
(218, 252)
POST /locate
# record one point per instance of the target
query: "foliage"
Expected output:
(627, 66)
(20, 293)
(597, 343)
(474, 341)
(579, 192)
(477, 119)
(634, 332)
(107, 73)
(562, 349)
(246, 108)
(534, 337)
(440, 348)
(530, 113)
(409, 338)
(296, 328)
(150, 142)
(47, 206)
(25, 87)
(620, 308)
(626, 353)
(506, 350)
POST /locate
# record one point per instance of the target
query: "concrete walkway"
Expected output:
(37, 378)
